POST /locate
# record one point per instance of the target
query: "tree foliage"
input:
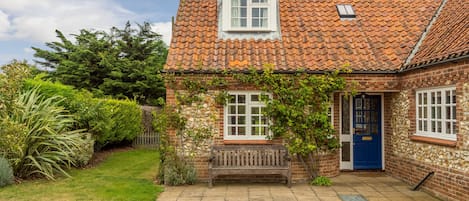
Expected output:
(122, 62)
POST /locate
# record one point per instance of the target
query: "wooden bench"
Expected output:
(249, 160)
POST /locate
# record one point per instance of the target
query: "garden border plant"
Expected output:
(299, 110)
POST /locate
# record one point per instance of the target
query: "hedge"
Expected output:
(110, 121)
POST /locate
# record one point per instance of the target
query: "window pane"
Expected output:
(254, 110)
(255, 12)
(255, 131)
(448, 97)
(232, 120)
(263, 12)
(244, 23)
(448, 112)
(345, 151)
(241, 120)
(420, 125)
(231, 130)
(425, 126)
(255, 23)
(424, 98)
(420, 99)
(255, 98)
(232, 109)
(244, 2)
(425, 111)
(454, 96)
(255, 120)
(438, 127)
(241, 130)
(232, 99)
(264, 131)
(264, 121)
(420, 112)
(241, 109)
(438, 112)
(448, 128)
(433, 126)
(433, 97)
(438, 97)
(244, 12)
(433, 112)
(345, 116)
(263, 23)
(454, 112)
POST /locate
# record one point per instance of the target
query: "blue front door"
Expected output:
(367, 132)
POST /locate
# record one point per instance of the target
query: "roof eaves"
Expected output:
(436, 61)
(245, 71)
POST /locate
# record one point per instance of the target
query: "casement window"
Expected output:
(243, 117)
(249, 15)
(436, 113)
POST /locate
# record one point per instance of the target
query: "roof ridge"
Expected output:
(424, 34)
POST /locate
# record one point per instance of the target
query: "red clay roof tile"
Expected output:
(448, 36)
(312, 36)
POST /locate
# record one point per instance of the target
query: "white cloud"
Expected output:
(37, 20)
(165, 29)
(4, 23)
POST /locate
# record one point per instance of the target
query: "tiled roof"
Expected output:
(312, 37)
(448, 36)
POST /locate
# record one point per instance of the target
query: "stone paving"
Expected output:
(369, 185)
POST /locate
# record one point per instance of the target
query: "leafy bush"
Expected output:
(126, 120)
(110, 121)
(37, 139)
(177, 171)
(6, 173)
(321, 181)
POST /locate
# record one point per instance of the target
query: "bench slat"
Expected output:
(249, 159)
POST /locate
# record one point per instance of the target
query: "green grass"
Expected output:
(125, 175)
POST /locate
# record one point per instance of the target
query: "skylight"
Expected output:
(345, 11)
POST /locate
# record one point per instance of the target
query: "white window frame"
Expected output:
(434, 124)
(272, 10)
(248, 125)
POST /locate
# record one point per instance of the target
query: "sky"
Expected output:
(32, 23)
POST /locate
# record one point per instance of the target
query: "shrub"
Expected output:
(110, 121)
(126, 121)
(6, 173)
(321, 181)
(176, 170)
(37, 139)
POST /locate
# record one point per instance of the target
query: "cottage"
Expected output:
(409, 58)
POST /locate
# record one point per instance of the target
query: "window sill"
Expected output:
(247, 142)
(436, 141)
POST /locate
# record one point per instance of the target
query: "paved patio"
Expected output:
(369, 185)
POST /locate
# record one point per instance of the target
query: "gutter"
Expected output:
(419, 66)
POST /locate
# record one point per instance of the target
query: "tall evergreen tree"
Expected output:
(122, 62)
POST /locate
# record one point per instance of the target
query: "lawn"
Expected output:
(124, 175)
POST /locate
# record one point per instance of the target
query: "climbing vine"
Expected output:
(299, 111)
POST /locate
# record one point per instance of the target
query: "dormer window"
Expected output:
(345, 11)
(249, 15)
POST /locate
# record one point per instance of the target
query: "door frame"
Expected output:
(349, 165)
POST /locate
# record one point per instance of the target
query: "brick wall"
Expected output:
(411, 160)
(328, 163)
